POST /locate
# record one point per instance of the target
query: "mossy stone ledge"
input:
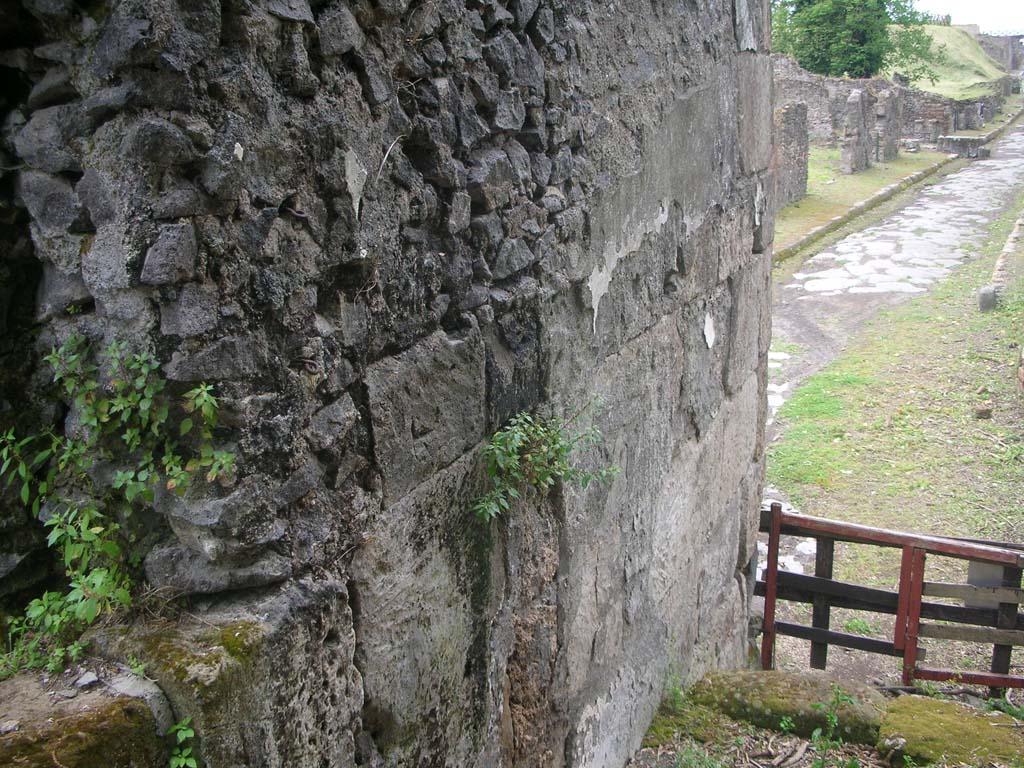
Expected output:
(765, 698)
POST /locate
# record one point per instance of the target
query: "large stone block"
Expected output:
(754, 111)
(427, 408)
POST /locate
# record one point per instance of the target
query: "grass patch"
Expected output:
(831, 193)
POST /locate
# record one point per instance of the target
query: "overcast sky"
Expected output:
(993, 16)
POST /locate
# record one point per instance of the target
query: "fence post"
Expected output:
(913, 616)
(903, 603)
(771, 587)
(824, 555)
(1006, 618)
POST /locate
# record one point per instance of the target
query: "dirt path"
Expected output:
(835, 292)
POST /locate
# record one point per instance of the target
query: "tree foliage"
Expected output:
(855, 38)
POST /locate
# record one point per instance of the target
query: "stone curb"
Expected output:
(884, 194)
(989, 296)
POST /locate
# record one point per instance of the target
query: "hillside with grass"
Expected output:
(966, 71)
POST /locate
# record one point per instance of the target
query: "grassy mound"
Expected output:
(967, 72)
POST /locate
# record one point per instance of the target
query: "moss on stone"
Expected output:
(945, 730)
(680, 719)
(764, 698)
(120, 735)
(169, 651)
(240, 639)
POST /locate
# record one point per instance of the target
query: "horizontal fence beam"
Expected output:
(801, 588)
(857, 642)
(969, 592)
(972, 634)
(815, 527)
(990, 679)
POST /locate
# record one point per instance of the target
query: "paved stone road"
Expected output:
(835, 292)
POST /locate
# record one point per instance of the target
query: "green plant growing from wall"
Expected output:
(181, 753)
(118, 446)
(534, 452)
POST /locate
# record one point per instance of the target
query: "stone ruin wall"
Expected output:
(863, 117)
(381, 229)
(790, 147)
(871, 127)
(1005, 49)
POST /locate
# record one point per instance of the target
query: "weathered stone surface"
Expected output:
(754, 110)
(195, 311)
(855, 147)
(283, 659)
(332, 423)
(513, 256)
(51, 202)
(790, 153)
(184, 571)
(231, 357)
(427, 406)
(91, 728)
(59, 291)
(339, 31)
(172, 258)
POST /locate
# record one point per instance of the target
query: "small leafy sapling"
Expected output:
(533, 451)
(181, 753)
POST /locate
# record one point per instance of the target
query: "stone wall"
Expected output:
(892, 111)
(790, 147)
(381, 229)
(867, 126)
(1007, 50)
(825, 97)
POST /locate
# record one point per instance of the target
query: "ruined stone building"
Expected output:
(381, 228)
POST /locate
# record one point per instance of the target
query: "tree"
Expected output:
(857, 38)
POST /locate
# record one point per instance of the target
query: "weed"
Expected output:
(533, 451)
(786, 724)
(121, 426)
(691, 757)
(138, 668)
(827, 739)
(928, 688)
(1006, 707)
(181, 753)
(859, 626)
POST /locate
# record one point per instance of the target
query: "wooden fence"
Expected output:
(989, 614)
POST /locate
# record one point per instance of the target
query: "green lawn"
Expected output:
(831, 193)
(967, 72)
